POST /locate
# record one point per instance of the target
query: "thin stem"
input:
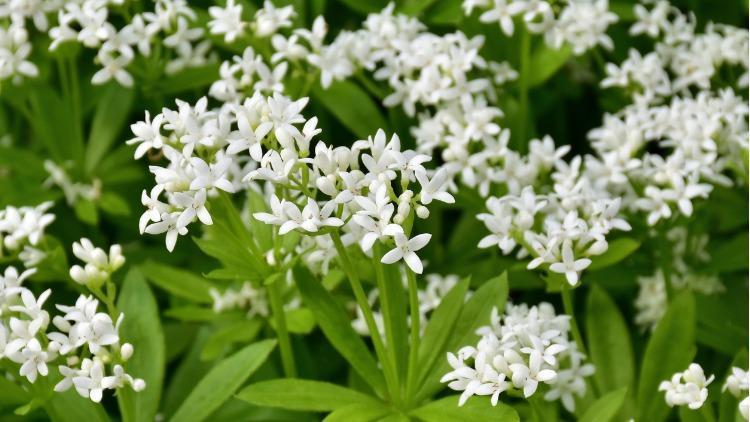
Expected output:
(567, 299)
(384, 305)
(364, 305)
(279, 317)
(665, 259)
(523, 87)
(75, 93)
(415, 333)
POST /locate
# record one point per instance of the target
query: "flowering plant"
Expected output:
(343, 210)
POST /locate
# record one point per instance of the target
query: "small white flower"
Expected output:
(406, 250)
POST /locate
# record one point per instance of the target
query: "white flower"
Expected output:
(434, 188)
(227, 21)
(687, 388)
(269, 19)
(406, 249)
(569, 265)
(147, 135)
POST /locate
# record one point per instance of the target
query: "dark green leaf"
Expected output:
(546, 61)
(618, 250)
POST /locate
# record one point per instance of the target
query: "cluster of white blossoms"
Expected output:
(682, 58)
(689, 256)
(372, 189)
(251, 299)
(738, 384)
(580, 23)
(86, 341)
(429, 299)
(564, 224)
(22, 228)
(701, 135)
(520, 350)
(15, 50)
(687, 388)
(99, 265)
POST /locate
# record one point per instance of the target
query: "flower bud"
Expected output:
(139, 384)
(126, 351)
(422, 212)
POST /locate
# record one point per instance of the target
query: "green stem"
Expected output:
(523, 87)
(666, 259)
(384, 305)
(415, 333)
(364, 305)
(75, 93)
(567, 299)
(285, 344)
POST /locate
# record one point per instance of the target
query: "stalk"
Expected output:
(285, 344)
(567, 299)
(384, 306)
(359, 294)
(523, 87)
(415, 331)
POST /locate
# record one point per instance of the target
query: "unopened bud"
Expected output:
(126, 351)
(139, 384)
(422, 212)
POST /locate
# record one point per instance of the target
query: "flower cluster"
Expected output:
(15, 49)
(99, 265)
(87, 340)
(207, 151)
(738, 384)
(519, 350)
(651, 302)
(687, 388)
(581, 24)
(21, 228)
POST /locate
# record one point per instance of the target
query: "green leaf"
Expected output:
(86, 211)
(475, 409)
(236, 332)
(69, 406)
(669, 350)
(474, 314)
(142, 328)
(178, 282)
(336, 325)
(609, 344)
(222, 381)
(114, 204)
(110, 116)
(299, 321)
(606, 407)
(359, 412)
(445, 12)
(618, 250)
(414, 7)
(352, 106)
(365, 7)
(730, 255)
(299, 394)
(438, 329)
(546, 61)
(190, 79)
(704, 414)
(12, 394)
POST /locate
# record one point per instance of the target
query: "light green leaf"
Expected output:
(190, 79)
(606, 407)
(474, 314)
(299, 394)
(110, 116)
(359, 412)
(142, 328)
(299, 321)
(618, 250)
(441, 323)
(670, 350)
(336, 325)
(12, 394)
(85, 210)
(546, 61)
(114, 204)
(69, 406)
(476, 409)
(704, 414)
(238, 331)
(609, 344)
(177, 282)
(222, 381)
(352, 106)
